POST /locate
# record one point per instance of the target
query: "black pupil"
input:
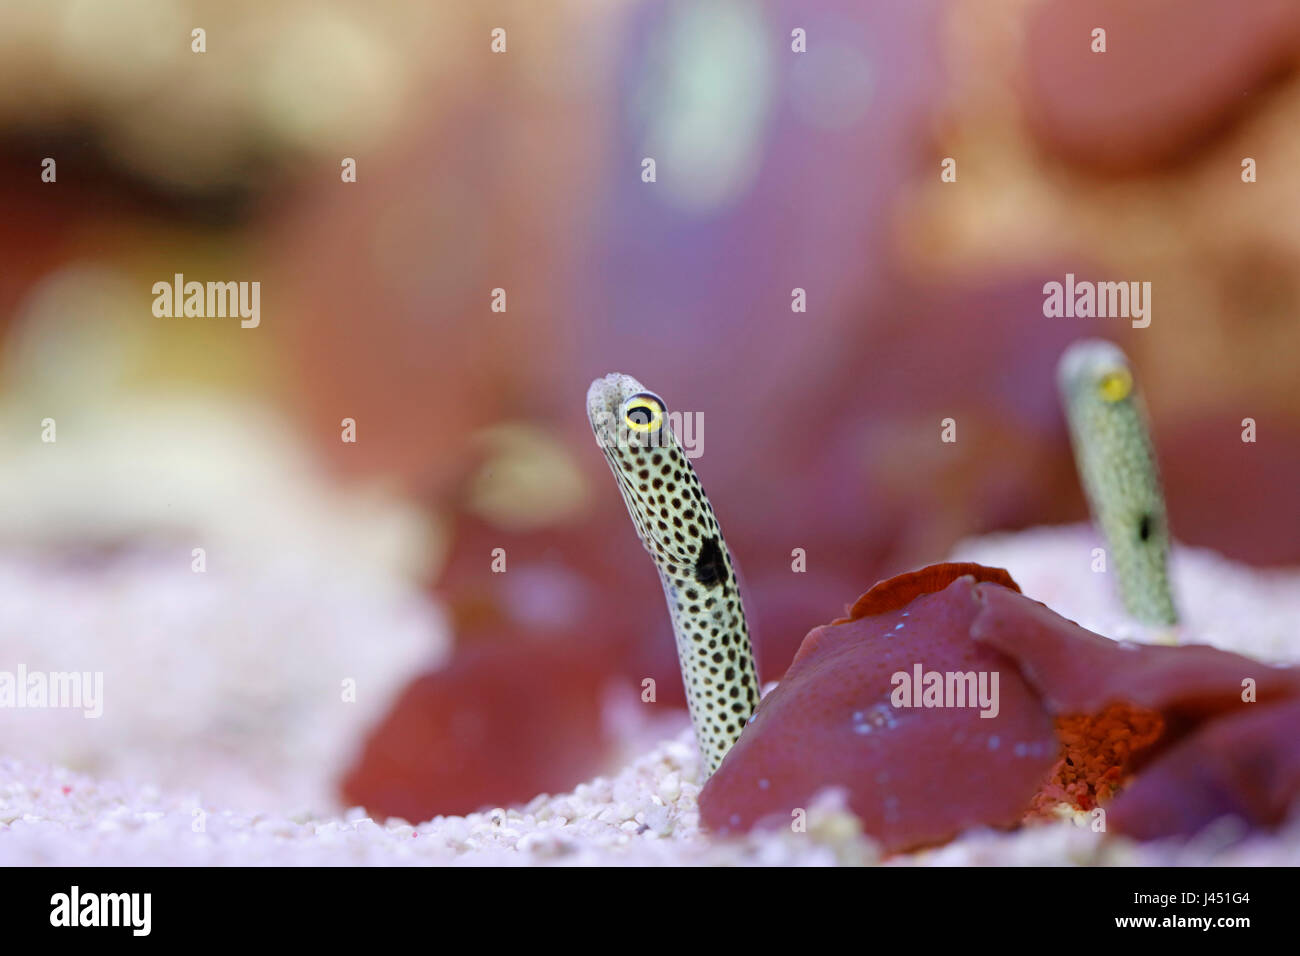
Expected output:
(1144, 528)
(639, 416)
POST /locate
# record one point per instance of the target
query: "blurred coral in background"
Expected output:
(372, 562)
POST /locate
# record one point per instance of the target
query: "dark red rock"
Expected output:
(900, 590)
(1076, 671)
(914, 776)
(502, 722)
(1245, 766)
(1078, 715)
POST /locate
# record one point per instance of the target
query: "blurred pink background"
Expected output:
(522, 171)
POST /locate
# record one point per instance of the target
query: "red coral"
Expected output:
(1096, 750)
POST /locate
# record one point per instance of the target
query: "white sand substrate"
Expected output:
(644, 814)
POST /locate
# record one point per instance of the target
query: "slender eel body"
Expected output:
(1117, 464)
(677, 525)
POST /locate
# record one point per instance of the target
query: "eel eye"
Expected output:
(644, 412)
(1115, 386)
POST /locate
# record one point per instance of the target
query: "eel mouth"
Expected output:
(605, 397)
(1086, 360)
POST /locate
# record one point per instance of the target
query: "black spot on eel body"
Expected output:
(710, 568)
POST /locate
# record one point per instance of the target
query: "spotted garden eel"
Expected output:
(677, 525)
(1117, 465)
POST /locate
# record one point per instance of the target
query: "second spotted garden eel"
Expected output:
(1117, 464)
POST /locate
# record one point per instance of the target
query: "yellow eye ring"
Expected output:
(644, 412)
(1115, 386)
